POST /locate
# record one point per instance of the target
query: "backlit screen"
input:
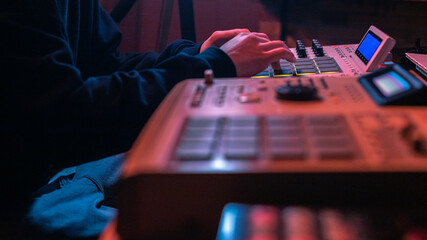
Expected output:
(391, 84)
(369, 45)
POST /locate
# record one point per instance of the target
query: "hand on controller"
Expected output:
(218, 38)
(253, 52)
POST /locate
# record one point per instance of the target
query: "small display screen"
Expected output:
(368, 46)
(391, 84)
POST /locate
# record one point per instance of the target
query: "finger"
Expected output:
(276, 54)
(272, 45)
(256, 37)
(232, 33)
(262, 35)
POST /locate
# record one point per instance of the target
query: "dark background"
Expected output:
(330, 21)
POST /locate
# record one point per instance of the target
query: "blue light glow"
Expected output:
(391, 84)
(369, 45)
(228, 223)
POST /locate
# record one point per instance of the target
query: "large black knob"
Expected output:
(297, 93)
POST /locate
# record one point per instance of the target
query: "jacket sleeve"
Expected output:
(82, 103)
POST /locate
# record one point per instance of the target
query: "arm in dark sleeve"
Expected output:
(68, 104)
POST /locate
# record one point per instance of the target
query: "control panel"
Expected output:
(311, 141)
(280, 125)
(337, 60)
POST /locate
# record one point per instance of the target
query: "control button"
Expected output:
(285, 131)
(333, 147)
(202, 123)
(326, 65)
(198, 96)
(297, 93)
(208, 76)
(287, 148)
(418, 144)
(242, 122)
(199, 133)
(247, 148)
(238, 133)
(195, 150)
(300, 49)
(324, 83)
(262, 88)
(249, 98)
(277, 121)
(329, 69)
(287, 152)
(317, 48)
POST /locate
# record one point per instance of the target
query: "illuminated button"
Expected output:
(249, 98)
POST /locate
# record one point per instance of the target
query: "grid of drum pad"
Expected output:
(273, 137)
(303, 66)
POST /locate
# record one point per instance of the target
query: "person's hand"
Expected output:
(218, 38)
(253, 52)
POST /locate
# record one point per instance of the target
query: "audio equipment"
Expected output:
(312, 141)
(336, 60)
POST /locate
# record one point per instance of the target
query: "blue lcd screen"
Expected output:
(369, 45)
(391, 84)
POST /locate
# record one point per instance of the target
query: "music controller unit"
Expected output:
(314, 141)
(336, 60)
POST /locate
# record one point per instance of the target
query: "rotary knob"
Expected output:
(297, 93)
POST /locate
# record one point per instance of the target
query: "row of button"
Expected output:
(287, 137)
(307, 66)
